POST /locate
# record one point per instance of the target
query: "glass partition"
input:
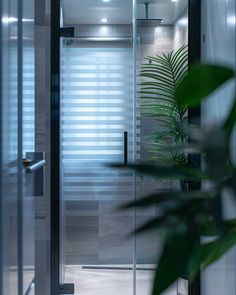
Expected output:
(28, 146)
(9, 148)
(97, 130)
(103, 122)
(161, 27)
(219, 278)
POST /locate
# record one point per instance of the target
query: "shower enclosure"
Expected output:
(102, 45)
(98, 128)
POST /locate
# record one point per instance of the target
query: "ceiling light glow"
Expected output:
(174, 0)
(104, 31)
(28, 20)
(106, 1)
(231, 20)
(183, 21)
(104, 20)
(6, 20)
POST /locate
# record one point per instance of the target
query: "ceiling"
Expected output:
(76, 12)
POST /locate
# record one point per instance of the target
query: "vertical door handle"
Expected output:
(125, 148)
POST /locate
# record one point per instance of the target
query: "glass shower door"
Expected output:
(97, 129)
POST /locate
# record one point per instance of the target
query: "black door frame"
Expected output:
(55, 147)
(194, 55)
(195, 114)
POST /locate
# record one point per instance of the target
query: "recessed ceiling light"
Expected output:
(104, 20)
(174, 0)
(106, 0)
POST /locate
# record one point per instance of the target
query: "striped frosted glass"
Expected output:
(28, 96)
(28, 100)
(96, 110)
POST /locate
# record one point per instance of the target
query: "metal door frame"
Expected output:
(194, 55)
(55, 147)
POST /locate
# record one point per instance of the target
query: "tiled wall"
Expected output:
(181, 30)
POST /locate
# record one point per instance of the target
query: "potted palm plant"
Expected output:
(161, 76)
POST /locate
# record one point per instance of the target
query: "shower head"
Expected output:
(148, 22)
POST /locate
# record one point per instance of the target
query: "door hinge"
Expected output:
(67, 32)
(67, 289)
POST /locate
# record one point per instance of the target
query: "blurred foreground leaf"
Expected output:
(201, 81)
(191, 223)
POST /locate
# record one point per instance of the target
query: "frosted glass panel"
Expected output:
(96, 110)
(28, 100)
(9, 151)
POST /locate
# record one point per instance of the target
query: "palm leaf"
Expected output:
(160, 78)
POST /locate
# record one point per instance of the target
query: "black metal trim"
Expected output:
(125, 148)
(55, 147)
(67, 32)
(30, 287)
(91, 267)
(194, 31)
(20, 146)
(194, 55)
(195, 114)
(194, 37)
(67, 289)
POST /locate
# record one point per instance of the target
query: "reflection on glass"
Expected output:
(28, 101)
(97, 95)
(162, 26)
(97, 107)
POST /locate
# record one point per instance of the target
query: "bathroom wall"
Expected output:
(181, 30)
(218, 46)
(155, 41)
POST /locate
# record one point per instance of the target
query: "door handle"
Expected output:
(34, 172)
(125, 148)
(32, 166)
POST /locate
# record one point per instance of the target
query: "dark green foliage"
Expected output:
(194, 87)
(161, 76)
(190, 217)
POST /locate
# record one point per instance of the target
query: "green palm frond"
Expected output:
(161, 76)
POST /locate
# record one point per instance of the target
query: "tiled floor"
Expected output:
(110, 282)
